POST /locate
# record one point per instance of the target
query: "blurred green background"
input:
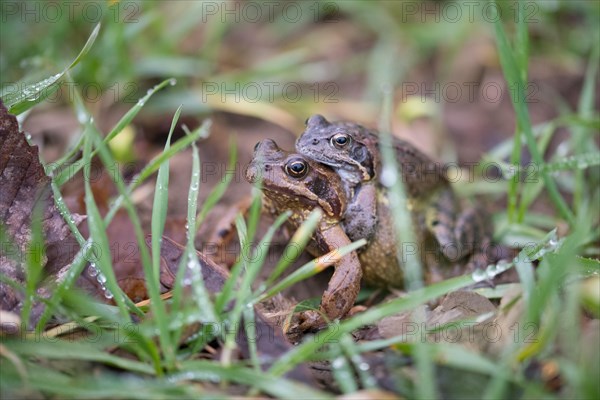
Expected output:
(333, 56)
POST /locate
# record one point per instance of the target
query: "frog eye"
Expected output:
(296, 168)
(340, 140)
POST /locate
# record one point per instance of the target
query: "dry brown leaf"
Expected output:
(24, 185)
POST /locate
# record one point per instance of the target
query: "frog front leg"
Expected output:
(360, 219)
(343, 286)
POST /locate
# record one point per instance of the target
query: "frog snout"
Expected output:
(264, 151)
(252, 172)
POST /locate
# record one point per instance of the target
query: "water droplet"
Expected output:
(191, 264)
(363, 366)
(101, 278)
(338, 363)
(108, 294)
(479, 275)
(92, 270)
(563, 149)
(389, 176)
(172, 81)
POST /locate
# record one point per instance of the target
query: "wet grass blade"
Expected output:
(391, 178)
(298, 242)
(217, 192)
(32, 94)
(311, 268)
(159, 216)
(512, 74)
(66, 174)
(103, 260)
(585, 111)
(205, 306)
(33, 261)
(311, 345)
(254, 261)
(69, 350)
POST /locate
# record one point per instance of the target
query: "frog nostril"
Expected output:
(315, 142)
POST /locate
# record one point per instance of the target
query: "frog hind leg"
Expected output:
(360, 219)
(454, 234)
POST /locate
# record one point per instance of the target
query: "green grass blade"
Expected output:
(311, 268)
(161, 202)
(574, 163)
(311, 345)
(205, 307)
(217, 192)
(33, 260)
(30, 95)
(519, 100)
(585, 110)
(298, 242)
(352, 352)
(69, 350)
(159, 216)
(343, 374)
(253, 260)
(103, 261)
(67, 173)
(390, 177)
(280, 388)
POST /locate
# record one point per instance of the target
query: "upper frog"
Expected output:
(353, 151)
(292, 182)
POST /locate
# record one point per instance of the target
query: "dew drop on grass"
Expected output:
(338, 363)
(363, 366)
(479, 275)
(172, 81)
(92, 270)
(389, 176)
(101, 278)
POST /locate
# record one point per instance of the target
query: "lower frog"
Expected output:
(458, 230)
(291, 182)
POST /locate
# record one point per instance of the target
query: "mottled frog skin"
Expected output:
(457, 231)
(291, 182)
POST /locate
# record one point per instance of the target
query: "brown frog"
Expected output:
(293, 182)
(439, 218)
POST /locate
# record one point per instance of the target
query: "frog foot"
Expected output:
(311, 321)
